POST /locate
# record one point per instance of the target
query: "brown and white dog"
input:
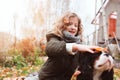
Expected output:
(97, 66)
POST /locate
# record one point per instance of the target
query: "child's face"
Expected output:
(72, 26)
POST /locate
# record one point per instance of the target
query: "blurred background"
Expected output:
(21, 19)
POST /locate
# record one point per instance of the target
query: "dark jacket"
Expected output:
(60, 64)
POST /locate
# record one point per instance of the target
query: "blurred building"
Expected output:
(108, 20)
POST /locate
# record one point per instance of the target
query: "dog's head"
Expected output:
(103, 62)
(98, 62)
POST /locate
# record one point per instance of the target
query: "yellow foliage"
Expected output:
(26, 46)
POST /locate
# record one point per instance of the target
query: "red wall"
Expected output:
(111, 25)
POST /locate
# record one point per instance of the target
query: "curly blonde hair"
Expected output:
(59, 25)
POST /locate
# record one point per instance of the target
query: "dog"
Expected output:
(96, 66)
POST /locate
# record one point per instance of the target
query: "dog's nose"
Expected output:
(106, 55)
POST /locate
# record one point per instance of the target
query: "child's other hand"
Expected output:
(76, 73)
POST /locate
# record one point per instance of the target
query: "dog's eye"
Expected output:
(106, 54)
(113, 57)
(100, 65)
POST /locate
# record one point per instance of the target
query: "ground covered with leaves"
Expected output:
(6, 72)
(117, 74)
(20, 66)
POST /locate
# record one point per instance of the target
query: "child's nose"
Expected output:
(73, 26)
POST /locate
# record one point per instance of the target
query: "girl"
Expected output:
(63, 43)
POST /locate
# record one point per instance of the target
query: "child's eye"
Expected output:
(70, 23)
(76, 25)
(67, 24)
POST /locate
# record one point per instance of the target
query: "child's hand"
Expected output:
(79, 47)
(76, 73)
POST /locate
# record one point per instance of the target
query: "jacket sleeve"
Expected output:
(56, 47)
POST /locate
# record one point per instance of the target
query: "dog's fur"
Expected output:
(97, 66)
